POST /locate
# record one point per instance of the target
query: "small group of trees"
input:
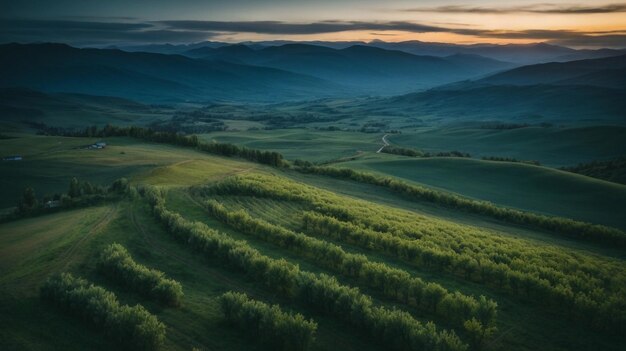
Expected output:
(564, 226)
(612, 170)
(393, 327)
(394, 283)
(277, 329)
(116, 263)
(131, 327)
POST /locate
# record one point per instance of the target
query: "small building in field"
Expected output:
(52, 204)
(98, 145)
(12, 158)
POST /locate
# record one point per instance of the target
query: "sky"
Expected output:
(574, 23)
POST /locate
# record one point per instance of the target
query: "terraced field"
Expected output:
(373, 270)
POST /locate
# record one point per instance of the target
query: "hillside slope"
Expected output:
(516, 185)
(148, 77)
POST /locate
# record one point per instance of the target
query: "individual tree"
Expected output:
(74, 190)
(28, 201)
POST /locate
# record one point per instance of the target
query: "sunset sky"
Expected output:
(90, 22)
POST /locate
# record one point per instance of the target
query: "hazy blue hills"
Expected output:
(148, 76)
(587, 91)
(364, 68)
(524, 104)
(604, 72)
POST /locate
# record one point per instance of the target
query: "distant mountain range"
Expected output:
(584, 90)
(233, 72)
(362, 68)
(520, 54)
(457, 86)
(607, 72)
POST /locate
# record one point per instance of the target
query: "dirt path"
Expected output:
(66, 256)
(96, 227)
(385, 144)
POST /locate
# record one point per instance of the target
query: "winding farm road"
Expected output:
(384, 142)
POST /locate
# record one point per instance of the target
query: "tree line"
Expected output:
(612, 170)
(405, 151)
(134, 328)
(394, 283)
(277, 329)
(271, 158)
(395, 328)
(564, 226)
(116, 263)
(584, 287)
(589, 307)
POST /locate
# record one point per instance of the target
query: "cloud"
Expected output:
(277, 27)
(133, 31)
(545, 8)
(89, 32)
(26, 24)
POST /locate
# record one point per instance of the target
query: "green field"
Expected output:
(553, 146)
(305, 144)
(32, 249)
(50, 162)
(527, 187)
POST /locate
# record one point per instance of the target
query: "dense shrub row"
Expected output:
(277, 329)
(395, 328)
(511, 159)
(584, 287)
(132, 327)
(589, 305)
(116, 263)
(564, 226)
(392, 282)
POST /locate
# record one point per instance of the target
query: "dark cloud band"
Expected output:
(544, 8)
(193, 31)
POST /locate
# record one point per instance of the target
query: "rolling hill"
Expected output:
(20, 106)
(604, 72)
(523, 104)
(509, 184)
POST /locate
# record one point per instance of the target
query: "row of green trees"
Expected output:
(583, 287)
(394, 283)
(271, 158)
(564, 226)
(79, 194)
(591, 307)
(134, 328)
(277, 329)
(395, 328)
(116, 263)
